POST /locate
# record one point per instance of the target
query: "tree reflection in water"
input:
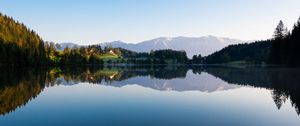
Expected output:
(20, 85)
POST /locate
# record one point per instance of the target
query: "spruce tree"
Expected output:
(279, 45)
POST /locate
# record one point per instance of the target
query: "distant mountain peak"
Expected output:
(204, 45)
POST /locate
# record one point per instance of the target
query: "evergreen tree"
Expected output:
(279, 45)
(280, 31)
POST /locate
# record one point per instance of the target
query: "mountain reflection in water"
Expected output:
(20, 85)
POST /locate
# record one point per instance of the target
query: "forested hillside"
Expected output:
(282, 49)
(286, 44)
(18, 44)
(257, 52)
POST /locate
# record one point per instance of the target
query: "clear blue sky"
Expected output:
(95, 21)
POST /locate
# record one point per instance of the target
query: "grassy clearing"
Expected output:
(109, 57)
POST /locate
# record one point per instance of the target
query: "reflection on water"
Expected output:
(18, 86)
(284, 82)
(21, 85)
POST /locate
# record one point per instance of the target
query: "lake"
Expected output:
(150, 96)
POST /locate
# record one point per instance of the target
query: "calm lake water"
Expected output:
(150, 96)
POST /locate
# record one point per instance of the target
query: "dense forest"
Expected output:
(285, 47)
(254, 53)
(166, 56)
(282, 49)
(19, 44)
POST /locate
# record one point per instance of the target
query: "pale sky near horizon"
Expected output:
(94, 21)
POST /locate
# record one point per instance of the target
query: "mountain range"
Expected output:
(192, 45)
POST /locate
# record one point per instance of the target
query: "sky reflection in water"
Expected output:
(144, 98)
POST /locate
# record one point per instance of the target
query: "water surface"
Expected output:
(161, 95)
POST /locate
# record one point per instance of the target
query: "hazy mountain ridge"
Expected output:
(192, 45)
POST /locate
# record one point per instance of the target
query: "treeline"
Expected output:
(96, 55)
(91, 55)
(19, 44)
(166, 56)
(255, 53)
(282, 49)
